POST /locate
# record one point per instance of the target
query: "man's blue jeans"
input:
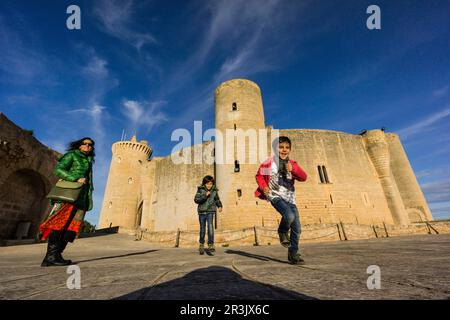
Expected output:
(290, 220)
(203, 218)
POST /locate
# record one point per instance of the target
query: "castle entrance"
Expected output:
(22, 203)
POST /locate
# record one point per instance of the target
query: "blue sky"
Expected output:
(151, 67)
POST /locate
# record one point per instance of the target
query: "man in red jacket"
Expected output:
(275, 178)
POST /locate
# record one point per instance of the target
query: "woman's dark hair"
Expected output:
(280, 139)
(75, 145)
(207, 179)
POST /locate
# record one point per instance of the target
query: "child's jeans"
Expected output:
(203, 218)
(290, 220)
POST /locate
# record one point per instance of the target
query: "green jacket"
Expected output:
(73, 166)
(207, 204)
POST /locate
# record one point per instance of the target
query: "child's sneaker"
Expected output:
(201, 249)
(294, 258)
(284, 239)
(211, 247)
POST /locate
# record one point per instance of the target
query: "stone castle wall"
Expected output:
(363, 179)
(172, 203)
(26, 176)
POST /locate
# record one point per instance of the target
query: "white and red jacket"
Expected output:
(263, 176)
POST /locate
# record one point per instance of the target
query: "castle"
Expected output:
(361, 179)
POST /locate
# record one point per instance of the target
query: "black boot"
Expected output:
(284, 239)
(62, 245)
(294, 258)
(53, 252)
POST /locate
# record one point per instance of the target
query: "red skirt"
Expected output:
(64, 216)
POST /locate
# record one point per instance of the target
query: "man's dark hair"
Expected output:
(75, 145)
(280, 139)
(207, 179)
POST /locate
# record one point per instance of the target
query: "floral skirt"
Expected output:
(63, 217)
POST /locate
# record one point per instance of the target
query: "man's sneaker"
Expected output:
(201, 249)
(284, 239)
(294, 258)
(211, 247)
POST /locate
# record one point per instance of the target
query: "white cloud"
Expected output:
(434, 172)
(438, 93)
(424, 124)
(116, 16)
(142, 114)
(95, 111)
(96, 67)
(240, 39)
(437, 191)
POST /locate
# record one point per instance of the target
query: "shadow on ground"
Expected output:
(255, 256)
(213, 283)
(114, 257)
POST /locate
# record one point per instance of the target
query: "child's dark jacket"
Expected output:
(207, 204)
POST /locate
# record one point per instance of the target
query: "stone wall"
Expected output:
(310, 234)
(26, 176)
(175, 185)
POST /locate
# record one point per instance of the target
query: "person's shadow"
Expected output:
(213, 283)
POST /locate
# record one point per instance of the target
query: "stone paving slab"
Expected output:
(117, 267)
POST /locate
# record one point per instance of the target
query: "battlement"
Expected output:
(234, 83)
(130, 146)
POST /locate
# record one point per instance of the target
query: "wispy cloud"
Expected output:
(116, 18)
(95, 111)
(237, 39)
(94, 70)
(257, 47)
(424, 124)
(96, 67)
(440, 210)
(437, 191)
(441, 92)
(144, 114)
(434, 172)
(22, 61)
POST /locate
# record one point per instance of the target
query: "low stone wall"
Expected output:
(310, 233)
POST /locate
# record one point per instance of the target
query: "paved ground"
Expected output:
(116, 267)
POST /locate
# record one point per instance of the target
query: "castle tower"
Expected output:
(412, 195)
(238, 108)
(122, 202)
(378, 150)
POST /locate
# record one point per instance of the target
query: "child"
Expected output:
(275, 179)
(207, 198)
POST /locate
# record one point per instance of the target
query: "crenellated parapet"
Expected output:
(132, 148)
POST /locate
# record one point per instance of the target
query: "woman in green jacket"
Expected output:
(65, 219)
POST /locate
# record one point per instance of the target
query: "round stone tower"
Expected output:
(378, 150)
(239, 116)
(123, 196)
(415, 203)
